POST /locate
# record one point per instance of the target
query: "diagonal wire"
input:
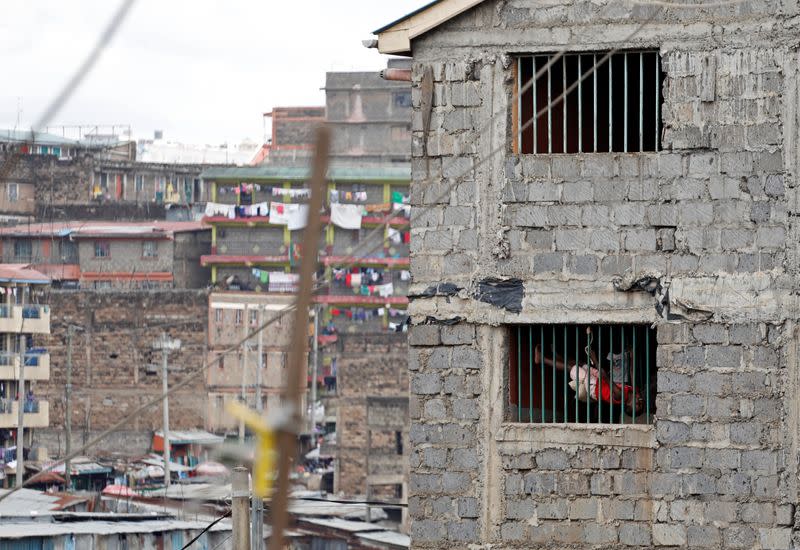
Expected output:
(189, 377)
(208, 528)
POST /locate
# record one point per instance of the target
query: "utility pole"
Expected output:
(68, 409)
(165, 389)
(286, 438)
(240, 509)
(257, 519)
(315, 372)
(259, 404)
(243, 362)
(166, 345)
(21, 412)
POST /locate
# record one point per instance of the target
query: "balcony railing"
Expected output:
(32, 319)
(37, 413)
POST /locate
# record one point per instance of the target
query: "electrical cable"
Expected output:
(206, 530)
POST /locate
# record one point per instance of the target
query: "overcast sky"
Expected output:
(204, 71)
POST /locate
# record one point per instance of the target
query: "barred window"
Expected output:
(149, 249)
(584, 374)
(615, 107)
(102, 249)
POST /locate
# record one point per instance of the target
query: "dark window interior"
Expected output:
(586, 374)
(613, 108)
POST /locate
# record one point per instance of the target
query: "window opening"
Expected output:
(616, 107)
(149, 249)
(23, 250)
(402, 99)
(13, 192)
(102, 249)
(239, 316)
(584, 374)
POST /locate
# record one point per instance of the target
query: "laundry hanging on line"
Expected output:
(346, 216)
(294, 216)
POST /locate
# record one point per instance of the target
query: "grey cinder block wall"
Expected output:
(714, 213)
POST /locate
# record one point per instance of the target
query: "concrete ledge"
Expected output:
(634, 435)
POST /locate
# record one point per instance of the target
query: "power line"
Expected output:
(208, 528)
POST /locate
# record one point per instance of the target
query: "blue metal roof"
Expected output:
(268, 172)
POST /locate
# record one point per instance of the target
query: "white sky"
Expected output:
(204, 71)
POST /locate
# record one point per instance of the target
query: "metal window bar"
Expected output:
(658, 101)
(564, 105)
(535, 107)
(583, 374)
(641, 102)
(625, 107)
(549, 110)
(580, 108)
(631, 104)
(594, 100)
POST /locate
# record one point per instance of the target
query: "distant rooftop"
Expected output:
(74, 229)
(50, 140)
(271, 172)
(22, 273)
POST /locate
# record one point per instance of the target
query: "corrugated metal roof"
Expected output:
(101, 229)
(22, 529)
(343, 524)
(22, 273)
(40, 138)
(392, 539)
(199, 437)
(268, 172)
(26, 502)
(80, 468)
(50, 140)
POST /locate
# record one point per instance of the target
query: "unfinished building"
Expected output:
(605, 352)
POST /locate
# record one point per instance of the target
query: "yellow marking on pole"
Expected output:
(264, 460)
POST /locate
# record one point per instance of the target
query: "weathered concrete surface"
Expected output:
(713, 212)
(109, 363)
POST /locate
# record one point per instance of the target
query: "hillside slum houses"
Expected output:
(128, 248)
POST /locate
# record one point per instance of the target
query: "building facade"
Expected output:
(105, 255)
(624, 370)
(61, 179)
(115, 367)
(369, 117)
(24, 326)
(245, 374)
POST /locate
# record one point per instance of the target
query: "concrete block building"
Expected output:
(614, 363)
(106, 255)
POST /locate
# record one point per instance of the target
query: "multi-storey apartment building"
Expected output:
(24, 323)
